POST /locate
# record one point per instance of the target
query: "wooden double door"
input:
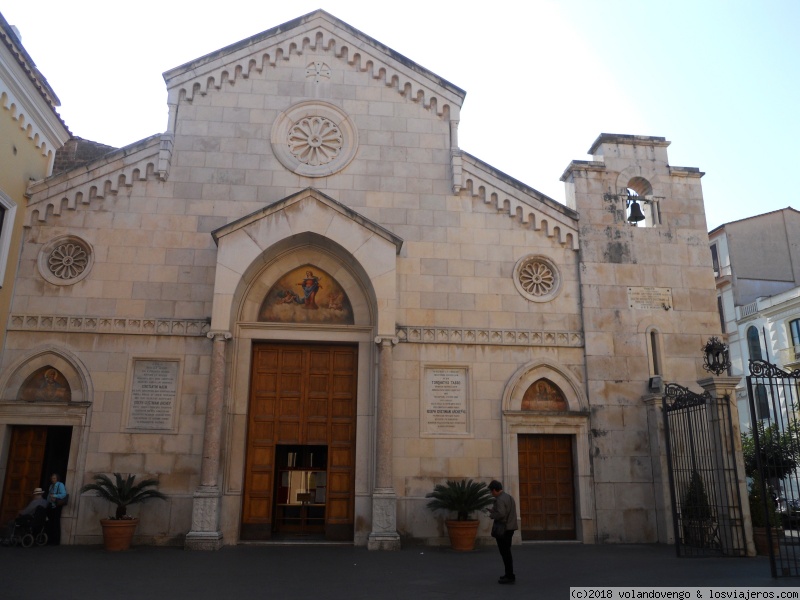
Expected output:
(546, 487)
(35, 452)
(301, 435)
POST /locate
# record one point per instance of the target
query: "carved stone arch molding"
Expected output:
(357, 249)
(544, 369)
(69, 366)
(318, 253)
(640, 172)
(573, 422)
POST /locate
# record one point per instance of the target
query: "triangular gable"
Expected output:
(307, 217)
(302, 195)
(322, 34)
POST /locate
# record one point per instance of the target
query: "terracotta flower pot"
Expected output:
(118, 533)
(761, 543)
(462, 534)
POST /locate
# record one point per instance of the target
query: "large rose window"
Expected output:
(314, 139)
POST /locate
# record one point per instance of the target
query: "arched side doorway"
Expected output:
(44, 415)
(546, 453)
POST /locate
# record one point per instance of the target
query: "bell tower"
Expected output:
(648, 304)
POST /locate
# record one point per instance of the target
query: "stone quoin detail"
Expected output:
(65, 260)
(536, 278)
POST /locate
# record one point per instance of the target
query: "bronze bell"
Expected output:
(636, 213)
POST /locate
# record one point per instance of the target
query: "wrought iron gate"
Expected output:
(772, 454)
(703, 477)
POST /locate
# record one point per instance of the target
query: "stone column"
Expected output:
(205, 533)
(384, 534)
(729, 444)
(658, 459)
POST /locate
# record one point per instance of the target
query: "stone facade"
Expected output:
(313, 148)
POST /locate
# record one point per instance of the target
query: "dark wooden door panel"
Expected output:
(547, 489)
(301, 395)
(24, 469)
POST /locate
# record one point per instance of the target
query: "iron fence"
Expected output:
(771, 450)
(703, 477)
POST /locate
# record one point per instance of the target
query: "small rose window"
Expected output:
(537, 278)
(65, 260)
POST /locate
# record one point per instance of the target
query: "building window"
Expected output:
(715, 259)
(762, 402)
(721, 311)
(794, 329)
(655, 356)
(8, 210)
(754, 344)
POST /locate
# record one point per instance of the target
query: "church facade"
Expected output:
(304, 305)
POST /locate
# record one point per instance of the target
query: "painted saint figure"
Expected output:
(310, 287)
(50, 390)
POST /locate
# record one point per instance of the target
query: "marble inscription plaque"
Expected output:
(154, 389)
(650, 298)
(445, 401)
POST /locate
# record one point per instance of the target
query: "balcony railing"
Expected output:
(789, 357)
(748, 309)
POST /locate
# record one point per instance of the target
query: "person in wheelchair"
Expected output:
(30, 519)
(35, 503)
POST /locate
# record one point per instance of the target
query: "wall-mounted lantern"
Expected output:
(716, 357)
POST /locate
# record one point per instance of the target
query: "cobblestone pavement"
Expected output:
(346, 572)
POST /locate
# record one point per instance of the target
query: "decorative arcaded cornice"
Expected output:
(492, 337)
(117, 325)
(526, 205)
(45, 131)
(331, 37)
(144, 160)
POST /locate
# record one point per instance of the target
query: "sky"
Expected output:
(719, 79)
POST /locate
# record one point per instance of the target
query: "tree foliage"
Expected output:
(779, 450)
(762, 510)
(695, 504)
(123, 492)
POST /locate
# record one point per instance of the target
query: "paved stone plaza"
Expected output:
(544, 571)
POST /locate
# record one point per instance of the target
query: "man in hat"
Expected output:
(26, 514)
(35, 503)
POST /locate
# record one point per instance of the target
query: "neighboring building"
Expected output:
(757, 268)
(30, 133)
(304, 305)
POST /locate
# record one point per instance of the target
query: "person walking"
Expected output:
(504, 513)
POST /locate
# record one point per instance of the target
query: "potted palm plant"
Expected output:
(462, 498)
(118, 530)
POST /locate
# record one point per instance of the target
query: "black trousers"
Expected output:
(53, 525)
(504, 545)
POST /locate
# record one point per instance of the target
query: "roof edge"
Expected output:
(206, 59)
